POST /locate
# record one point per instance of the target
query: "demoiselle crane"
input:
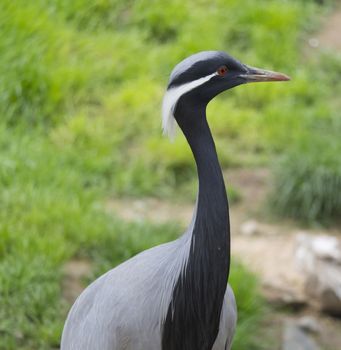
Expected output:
(175, 296)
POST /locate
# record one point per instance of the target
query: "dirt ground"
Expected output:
(328, 38)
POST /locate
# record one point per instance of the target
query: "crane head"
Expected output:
(203, 76)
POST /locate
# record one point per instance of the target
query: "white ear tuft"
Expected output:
(168, 120)
(170, 100)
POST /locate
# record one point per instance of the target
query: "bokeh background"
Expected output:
(87, 180)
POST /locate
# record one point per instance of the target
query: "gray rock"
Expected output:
(250, 228)
(319, 259)
(294, 338)
(279, 296)
(309, 324)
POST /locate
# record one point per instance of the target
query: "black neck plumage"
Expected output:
(192, 322)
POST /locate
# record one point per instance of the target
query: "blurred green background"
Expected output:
(81, 85)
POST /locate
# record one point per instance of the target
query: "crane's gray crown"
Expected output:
(200, 65)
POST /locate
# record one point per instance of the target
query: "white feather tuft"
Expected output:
(170, 100)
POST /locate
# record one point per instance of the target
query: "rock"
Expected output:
(250, 228)
(309, 324)
(311, 247)
(314, 42)
(294, 338)
(319, 258)
(279, 296)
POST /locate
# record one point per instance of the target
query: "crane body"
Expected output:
(175, 296)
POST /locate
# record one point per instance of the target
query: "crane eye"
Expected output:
(222, 70)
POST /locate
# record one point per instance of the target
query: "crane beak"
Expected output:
(256, 75)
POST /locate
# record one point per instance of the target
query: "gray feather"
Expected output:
(125, 308)
(188, 62)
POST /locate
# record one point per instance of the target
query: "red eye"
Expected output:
(222, 71)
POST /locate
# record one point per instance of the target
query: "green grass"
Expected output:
(81, 84)
(308, 183)
(49, 216)
(307, 177)
(74, 71)
(52, 210)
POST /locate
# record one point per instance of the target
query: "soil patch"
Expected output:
(75, 271)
